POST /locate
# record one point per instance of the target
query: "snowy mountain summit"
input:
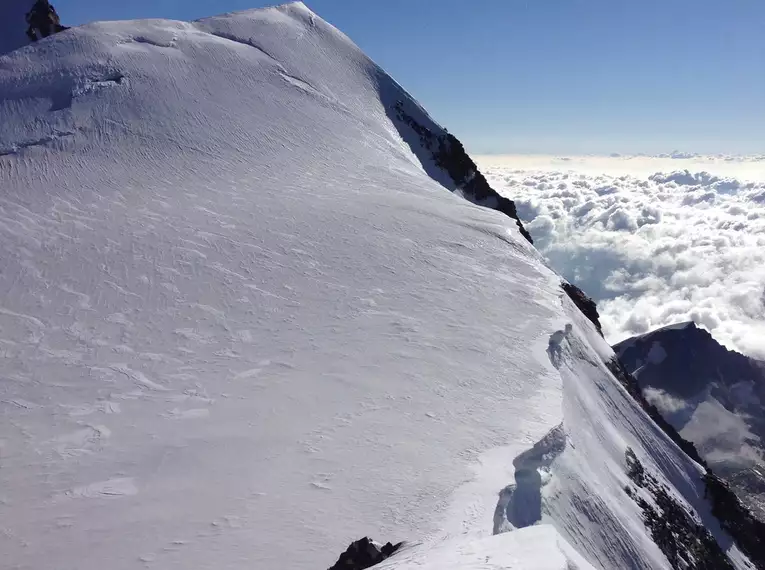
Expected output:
(714, 397)
(253, 308)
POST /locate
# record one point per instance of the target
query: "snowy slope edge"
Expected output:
(238, 317)
(199, 219)
(442, 153)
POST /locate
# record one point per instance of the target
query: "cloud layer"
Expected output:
(652, 249)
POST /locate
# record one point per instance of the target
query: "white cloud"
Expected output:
(666, 403)
(652, 245)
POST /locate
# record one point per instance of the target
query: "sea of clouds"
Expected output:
(654, 240)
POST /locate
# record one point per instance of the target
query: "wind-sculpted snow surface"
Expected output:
(537, 548)
(237, 267)
(242, 327)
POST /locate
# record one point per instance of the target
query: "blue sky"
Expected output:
(550, 76)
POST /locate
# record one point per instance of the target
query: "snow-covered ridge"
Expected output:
(243, 324)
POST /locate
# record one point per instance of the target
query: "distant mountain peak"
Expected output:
(679, 326)
(691, 359)
(714, 397)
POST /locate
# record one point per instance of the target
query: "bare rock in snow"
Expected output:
(583, 303)
(25, 21)
(448, 154)
(43, 21)
(364, 553)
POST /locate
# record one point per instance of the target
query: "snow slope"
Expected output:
(242, 326)
(538, 548)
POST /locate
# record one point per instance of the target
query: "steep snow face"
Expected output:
(13, 24)
(242, 326)
(236, 314)
(585, 494)
(713, 396)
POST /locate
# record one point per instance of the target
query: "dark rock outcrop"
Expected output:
(684, 540)
(364, 553)
(583, 303)
(448, 154)
(736, 519)
(43, 21)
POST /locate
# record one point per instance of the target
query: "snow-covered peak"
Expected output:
(623, 345)
(678, 326)
(248, 317)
